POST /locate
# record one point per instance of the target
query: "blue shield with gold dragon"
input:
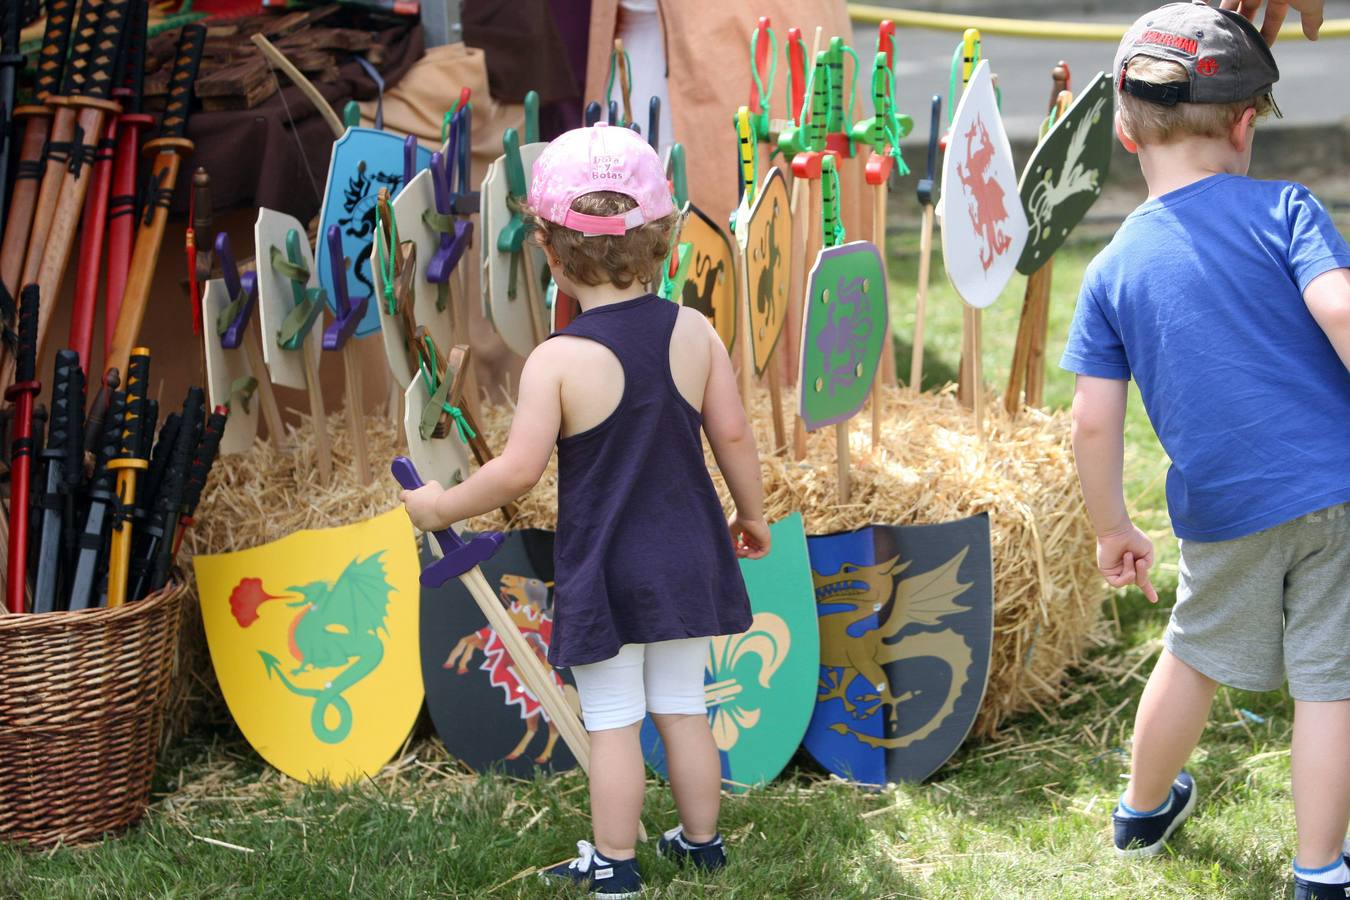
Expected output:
(906, 625)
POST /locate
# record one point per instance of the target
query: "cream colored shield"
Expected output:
(767, 252)
(393, 333)
(710, 286)
(408, 206)
(314, 639)
(226, 373)
(276, 298)
(511, 316)
(443, 459)
(486, 248)
(984, 227)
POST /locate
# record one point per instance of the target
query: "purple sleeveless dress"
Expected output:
(642, 552)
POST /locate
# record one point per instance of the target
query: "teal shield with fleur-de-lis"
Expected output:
(760, 685)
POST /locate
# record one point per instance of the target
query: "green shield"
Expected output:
(843, 333)
(1064, 176)
(760, 685)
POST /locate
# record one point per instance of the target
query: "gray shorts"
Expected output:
(1261, 608)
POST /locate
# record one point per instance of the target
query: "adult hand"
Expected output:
(1309, 12)
(1124, 557)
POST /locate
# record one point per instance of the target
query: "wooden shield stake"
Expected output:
(1060, 183)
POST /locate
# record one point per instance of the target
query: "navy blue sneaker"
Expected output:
(1314, 890)
(604, 878)
(1145, 835)
(709, 856)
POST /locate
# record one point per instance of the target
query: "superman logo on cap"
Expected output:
(1207, 66)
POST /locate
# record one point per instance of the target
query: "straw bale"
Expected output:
(930, 467)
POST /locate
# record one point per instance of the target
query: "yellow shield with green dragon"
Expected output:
(314, 642)
(906, 619)
(760, 685)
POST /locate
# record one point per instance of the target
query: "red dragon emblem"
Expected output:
(984, 195)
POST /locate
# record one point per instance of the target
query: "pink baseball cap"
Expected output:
(599, 158)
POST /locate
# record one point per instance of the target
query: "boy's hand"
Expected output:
(1124, 557)
(750, 537)
(421, 506)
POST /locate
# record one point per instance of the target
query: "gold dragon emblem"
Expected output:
(927, 598)
(768, 640)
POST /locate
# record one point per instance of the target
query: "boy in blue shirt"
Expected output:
(1228, 301)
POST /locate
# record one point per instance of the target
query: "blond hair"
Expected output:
(1146, 122)
(618, 259)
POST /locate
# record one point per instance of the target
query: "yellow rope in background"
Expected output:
(1030, 28)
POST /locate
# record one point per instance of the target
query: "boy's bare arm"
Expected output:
(1328, 299)
(1124, 553)
(733, 444)
(534, 432)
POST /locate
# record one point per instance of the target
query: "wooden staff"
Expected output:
(37, 122)
(746, 157)
(94, 109)
(11, 61)
(341, 335)
(122, 200)
(796, 52)
(169, 148)
(968, 386)
(133, 458)
(461, 560)
(22, 395)
(1037, 297)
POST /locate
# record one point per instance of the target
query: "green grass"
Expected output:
(1023, 816)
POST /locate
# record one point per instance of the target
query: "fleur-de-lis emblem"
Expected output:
(768, 639)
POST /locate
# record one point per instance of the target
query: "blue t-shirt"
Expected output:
(1199, 297)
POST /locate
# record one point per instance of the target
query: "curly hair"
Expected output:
(618, 259)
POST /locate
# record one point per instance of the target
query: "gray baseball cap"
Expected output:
(1223, 54)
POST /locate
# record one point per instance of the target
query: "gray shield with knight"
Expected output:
(906, 618)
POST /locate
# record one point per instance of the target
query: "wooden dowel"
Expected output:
(539, 329)
(276, 430)
(887, 351)
(921, 303)
(842, 460)
(776, 399)
(351, 363)
(1039, 325)
(963, 392)
(977, 371)
(314, 389)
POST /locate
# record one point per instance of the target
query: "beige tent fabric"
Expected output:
(417, 105)
(708, 67)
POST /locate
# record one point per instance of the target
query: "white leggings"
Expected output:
(665, 677)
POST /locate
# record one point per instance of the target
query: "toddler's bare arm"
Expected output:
(733, 444)
(534, 432)
(1328, 299)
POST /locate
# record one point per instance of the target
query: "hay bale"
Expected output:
(930, 467)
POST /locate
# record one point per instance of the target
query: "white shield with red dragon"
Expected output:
(471, 678)
(984, 227)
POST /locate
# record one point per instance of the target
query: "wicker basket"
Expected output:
(82, 699)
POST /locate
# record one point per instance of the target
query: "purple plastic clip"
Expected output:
(349, 314)
(457, 556)
(233, 336)
(443, 169)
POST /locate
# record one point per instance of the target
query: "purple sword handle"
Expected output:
(349, 314)
(233, 335)
(457, 556)
(409, 159)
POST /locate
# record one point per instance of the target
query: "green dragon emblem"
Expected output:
(338, 627)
